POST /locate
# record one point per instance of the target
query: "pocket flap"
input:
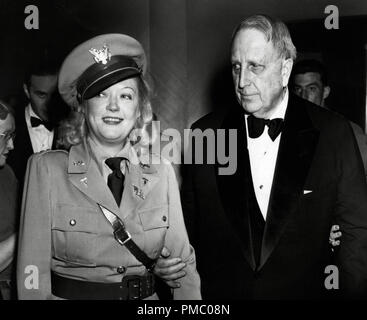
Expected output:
(154, 218)
(73, 218)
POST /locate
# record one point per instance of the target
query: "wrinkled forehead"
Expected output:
(252, 43)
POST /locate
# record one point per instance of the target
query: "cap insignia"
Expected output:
(103, 55)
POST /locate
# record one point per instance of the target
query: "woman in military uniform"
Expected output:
(95, 219)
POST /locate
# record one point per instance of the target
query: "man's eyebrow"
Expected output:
(312, 84)
(40, 92)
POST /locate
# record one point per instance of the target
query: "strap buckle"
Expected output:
(121, 234)
(134, 287)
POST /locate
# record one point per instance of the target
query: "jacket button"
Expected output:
(72, 222)
(164, 218)
(121, 269)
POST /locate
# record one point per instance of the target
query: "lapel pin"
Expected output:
(144, 165)
(78, 163)
(139, 192)
(85, 181)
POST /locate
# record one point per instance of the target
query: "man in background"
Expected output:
(37, 121)
(310, 82)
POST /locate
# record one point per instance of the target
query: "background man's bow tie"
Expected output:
(256, 126)
(35, 122)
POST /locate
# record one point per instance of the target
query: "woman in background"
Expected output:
(8, 202)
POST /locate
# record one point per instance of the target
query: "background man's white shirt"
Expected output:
(41, 138)
(263, 154)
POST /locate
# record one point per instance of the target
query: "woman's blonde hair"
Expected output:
(73, 130)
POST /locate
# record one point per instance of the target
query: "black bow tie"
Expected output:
(35, 122)
(256, 127)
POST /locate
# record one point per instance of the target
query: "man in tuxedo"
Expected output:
(35, 123)
(262, 232)
(309, 80)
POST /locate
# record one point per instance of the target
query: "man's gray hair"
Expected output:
(274, 30)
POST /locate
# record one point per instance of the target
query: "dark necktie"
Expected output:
(256, 126)
(116, 178)
(35, 122)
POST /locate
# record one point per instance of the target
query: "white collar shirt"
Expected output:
(41, 138)
(263, 154)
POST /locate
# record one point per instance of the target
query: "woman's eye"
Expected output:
(101, 94)
(126, 96)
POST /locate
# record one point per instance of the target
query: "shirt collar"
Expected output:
(31, 112)
(100, 156)
(281, 108)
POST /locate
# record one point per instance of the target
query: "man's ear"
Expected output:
(326, 92)
(26, 91)
(287, 65)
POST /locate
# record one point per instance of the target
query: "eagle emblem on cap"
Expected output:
(101, 55)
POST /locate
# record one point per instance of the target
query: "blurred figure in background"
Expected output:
(310, 82)
(8, 203)
(37, 121)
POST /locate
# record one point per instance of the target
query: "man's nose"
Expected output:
(243, 78)
(304, 94)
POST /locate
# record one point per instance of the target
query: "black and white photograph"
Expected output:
(205, 151)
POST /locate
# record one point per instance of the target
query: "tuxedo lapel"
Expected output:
(295, 154)
(24, 137)
(233, 188)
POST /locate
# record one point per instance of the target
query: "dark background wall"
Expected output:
(187, 43)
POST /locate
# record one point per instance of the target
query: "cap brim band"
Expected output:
(98, 77)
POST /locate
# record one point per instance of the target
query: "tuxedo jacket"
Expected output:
(61, 187)
(318, 181)
(362, 143)
(22, 147)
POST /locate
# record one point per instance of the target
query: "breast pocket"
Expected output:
(154, 218)
(155, 222)
(74, 234)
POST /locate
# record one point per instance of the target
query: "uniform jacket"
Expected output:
(319, 180)
(61, 187)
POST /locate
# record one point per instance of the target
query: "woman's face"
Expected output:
(7, 127)
(111, 115)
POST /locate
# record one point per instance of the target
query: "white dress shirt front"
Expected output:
(263, 154)
(41, 138)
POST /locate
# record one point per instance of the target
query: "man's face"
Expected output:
(310, 87)
(7, 128)
(259, 74)
(39, 93)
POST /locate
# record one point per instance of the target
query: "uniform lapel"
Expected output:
(84, 175)
(139, 181)
(295, 154)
